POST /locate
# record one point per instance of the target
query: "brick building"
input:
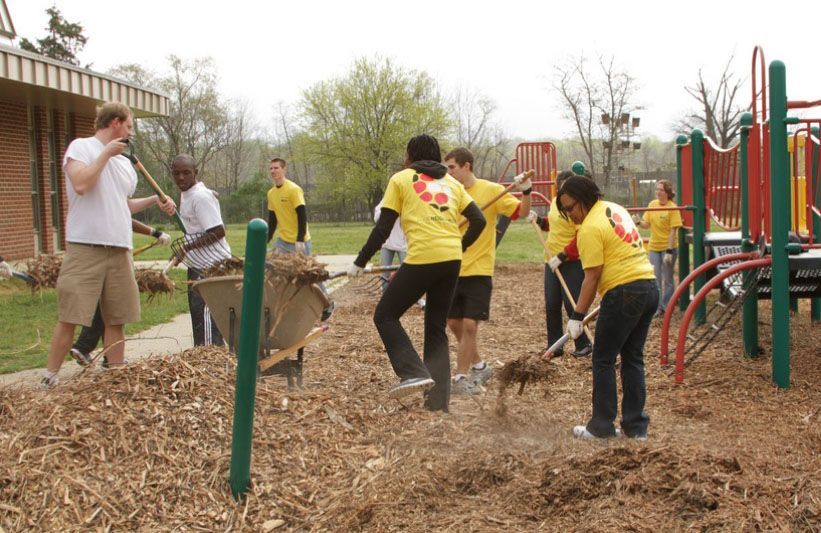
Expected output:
(44, 105)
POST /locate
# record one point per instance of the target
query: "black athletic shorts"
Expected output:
(472, 298)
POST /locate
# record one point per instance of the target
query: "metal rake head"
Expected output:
(201, 250)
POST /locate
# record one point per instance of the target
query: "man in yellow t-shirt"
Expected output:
(429, 204)
(471, 302)
(663, 245)
(616, 265)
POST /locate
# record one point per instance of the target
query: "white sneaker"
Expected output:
(620, 433)
(580, 432)
(409, 386)
(421, 303)
(49, 381)
(464, 386)
(481, 376)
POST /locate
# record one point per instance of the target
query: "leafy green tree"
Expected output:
(64, 40)
(357, 127)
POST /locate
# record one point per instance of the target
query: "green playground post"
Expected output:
(749, 313)
(683, 249)
(780, 198)
(578, 168)
(697, 147)
(815, 303)
(246, 385)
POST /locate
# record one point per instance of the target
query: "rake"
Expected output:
(201, 251)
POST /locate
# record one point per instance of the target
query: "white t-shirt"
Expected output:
(396, 240)
(101, 215)
(200, 211)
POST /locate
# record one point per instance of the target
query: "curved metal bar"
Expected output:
(699, 297)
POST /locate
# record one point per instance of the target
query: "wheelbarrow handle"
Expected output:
(556, 346)
(369, 270)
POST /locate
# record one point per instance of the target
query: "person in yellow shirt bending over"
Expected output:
(429, 204)
(663, 244)
(286, 212)
(616, 265)
(471, 302)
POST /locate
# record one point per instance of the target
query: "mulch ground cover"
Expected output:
(147, 447)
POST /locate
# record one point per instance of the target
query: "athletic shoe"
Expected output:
(49, 381)
(481, 376)
(327, 312)
(82, 359)
(580, 432)
(464, 387)
(421, 303)
(620, 433)
(555, 354)
(409, 386)
(582, 352)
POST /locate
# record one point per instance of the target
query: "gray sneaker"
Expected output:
(49, 381)
(82, 359)
(464, 387)
(480, 377)
(409, 386)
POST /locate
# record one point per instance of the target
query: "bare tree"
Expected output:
(586, 96)
(475, 129)
(719, 111)
(234, 161)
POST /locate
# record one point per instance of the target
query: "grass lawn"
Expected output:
(27, 322)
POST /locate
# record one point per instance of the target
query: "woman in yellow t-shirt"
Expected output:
(428, 203)
(663, 244)
(615, 264)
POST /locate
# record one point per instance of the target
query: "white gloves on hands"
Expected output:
(532, 216)
(355, 271)
(164, 239)
(668, 258)
(636, 219)
(523, 185)
(5, 270)
(299, 246)
(575, 328)
(554, 263)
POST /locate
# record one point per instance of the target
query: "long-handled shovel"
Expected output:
(516, 179)
(559, 275)
(556, 346)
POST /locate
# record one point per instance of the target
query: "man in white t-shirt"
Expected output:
(205, 242)
(98, 266)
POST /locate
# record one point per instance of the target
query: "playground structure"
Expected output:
(763, 193)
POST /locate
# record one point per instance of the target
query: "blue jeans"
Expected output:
(386, 256)
(664, 277)
(290, 247)
(554, 297)
(624, 319)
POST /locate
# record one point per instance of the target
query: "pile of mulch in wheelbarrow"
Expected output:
(147, 447)
(297, 269)
(153, 282)
(44, 270)
(227, 267)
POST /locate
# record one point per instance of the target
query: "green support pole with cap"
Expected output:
(749, 313)
(246, 386)
(683, 248)
(780, 198)
(697, 148)
(578, 168)
(815, 303)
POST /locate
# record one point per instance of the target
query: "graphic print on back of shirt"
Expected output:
(624, 228)
(435, 193)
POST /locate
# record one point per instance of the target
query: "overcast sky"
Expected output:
(269, 51)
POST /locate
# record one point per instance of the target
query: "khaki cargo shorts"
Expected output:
(94, 273)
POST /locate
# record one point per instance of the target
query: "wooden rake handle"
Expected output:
(157, 190)
(521, 177)
(556, 346)
(370, 270)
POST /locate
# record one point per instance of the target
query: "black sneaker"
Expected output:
(409, 386)
(582, 352)
(327, 312)
(82, 359)
(555, 354)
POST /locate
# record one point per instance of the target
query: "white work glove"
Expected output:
(668, 258)
(575, 328)
(5, 270)
(636, 219)
(522, 184)
(554, 263)
(355, 271)
(300, 247)
(164, 239)
(532, 216)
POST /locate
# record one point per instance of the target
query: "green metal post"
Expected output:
(749, 321)
(697, 147)
(248, 351)
(578, 168)
(683, 247)
(815, 303)
(780, 198)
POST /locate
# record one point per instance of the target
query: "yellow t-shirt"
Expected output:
(562, 231)
(479, 259)
(283, 201)
(608, 238)
(660, 224)
(429, 211)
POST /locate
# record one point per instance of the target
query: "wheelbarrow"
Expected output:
(289, 316)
